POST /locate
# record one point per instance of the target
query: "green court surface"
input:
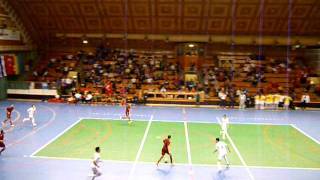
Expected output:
(153, 145)
(279, 146)
(117, 139)
(202, 144)
(259, 145)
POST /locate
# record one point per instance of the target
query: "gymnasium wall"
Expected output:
(3, 88)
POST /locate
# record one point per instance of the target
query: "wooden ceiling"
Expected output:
(45, 18)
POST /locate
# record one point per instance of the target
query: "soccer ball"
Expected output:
(165, 160)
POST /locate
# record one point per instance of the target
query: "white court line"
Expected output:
(239, 155)
(304, 133)
(203, 122)
(119, 114)
(53, 117)
(188, 143)
(141, 147)
(263, 123)
(56, 137)
(179, 164)
(18, 116)
(187, 136)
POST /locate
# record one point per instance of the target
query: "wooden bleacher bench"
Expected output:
(276, 75)
(173, 96)
(278, 80)
(242, 84)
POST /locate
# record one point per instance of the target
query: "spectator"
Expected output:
(163, 89)
(78, 97)
(88, 97)
(222, 95)
(242, 100)
(286, 102)
(305, 99)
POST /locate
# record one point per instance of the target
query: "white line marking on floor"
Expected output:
(204, 122)
(118, 114)
(140, 148)
(239, 155)
(304, 133)
(177, 164)
(53, 117)
(56, 137)
(187, 142)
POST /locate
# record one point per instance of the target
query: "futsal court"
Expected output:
(263, 144)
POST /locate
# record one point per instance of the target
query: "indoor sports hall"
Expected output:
(159, 89)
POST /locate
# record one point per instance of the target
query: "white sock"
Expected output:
(226, 159)
(33, 122)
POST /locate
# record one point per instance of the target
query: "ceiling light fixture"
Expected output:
(84, 39)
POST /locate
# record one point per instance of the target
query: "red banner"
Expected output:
(11, 64)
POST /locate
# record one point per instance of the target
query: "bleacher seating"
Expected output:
(133, 73)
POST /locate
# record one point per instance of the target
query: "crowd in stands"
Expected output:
(110, 74)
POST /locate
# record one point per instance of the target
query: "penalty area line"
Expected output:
(56, 137)
(239, 155)
(141, 147)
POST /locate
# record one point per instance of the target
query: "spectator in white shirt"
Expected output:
(223, 96)
(78, 97)
(242, 100)
(305, 99)
(89, 97)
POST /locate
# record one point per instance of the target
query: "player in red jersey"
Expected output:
(127, 113)
(166, 150)
(2, 145)
(9, 113)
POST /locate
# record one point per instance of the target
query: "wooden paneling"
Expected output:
(171, 16)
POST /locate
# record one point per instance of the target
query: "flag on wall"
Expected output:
(2, 67)
(9, 65)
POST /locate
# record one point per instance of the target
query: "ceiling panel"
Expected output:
(273, 17)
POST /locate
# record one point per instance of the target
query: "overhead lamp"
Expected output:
(84, 39)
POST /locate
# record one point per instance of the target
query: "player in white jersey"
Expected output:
(222, 149)
(95, 166)
(224, 123)
(31, 111)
